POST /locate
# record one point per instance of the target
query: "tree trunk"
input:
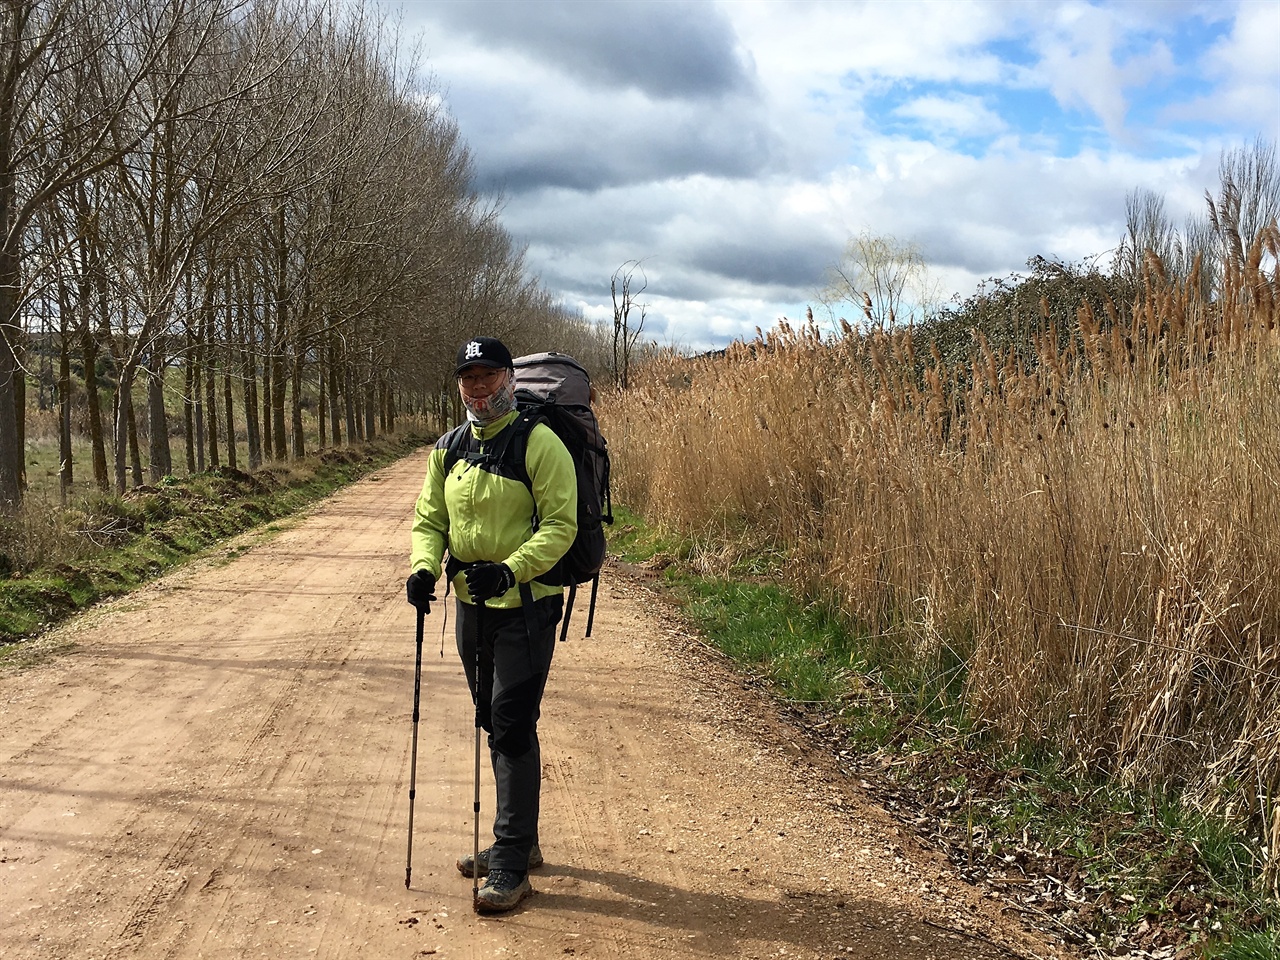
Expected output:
(267, 445)
(161, 461)
(211, 404)
(10, 438)
(135, 454)
(299, 444)
(249, 372)
(119, 438)
(279, 340)
(92, 347)
(278, 384)
(370, 410)
(65, 465)
(20, 401)
(93, 403)
(335, 411)
(123, 429)
(188, 399)
(252, 426)
(322, 412)
(229, 405)
(11, 455)
(197, 404)
(348, 396)
(210, 382)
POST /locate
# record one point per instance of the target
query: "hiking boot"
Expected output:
(465, 868)
(502, 890)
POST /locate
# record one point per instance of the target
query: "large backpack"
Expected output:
(555, 389)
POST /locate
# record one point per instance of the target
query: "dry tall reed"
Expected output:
(1094, 535)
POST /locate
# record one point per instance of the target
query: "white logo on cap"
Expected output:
(473, 349)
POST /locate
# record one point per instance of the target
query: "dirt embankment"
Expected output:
(219, 768)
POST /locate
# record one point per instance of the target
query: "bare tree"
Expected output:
(884, 279)
(626, 332)
(1249, 198)
(1246, 203)
(1148, 231)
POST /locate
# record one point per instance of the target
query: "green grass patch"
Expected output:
(1118, 868)
(634, 541)
(801, 648)
(1249, 946)
(110, 545)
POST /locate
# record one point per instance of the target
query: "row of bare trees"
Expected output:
(1207, 244)
(256, 198)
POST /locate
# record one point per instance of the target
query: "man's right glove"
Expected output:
(420, 589)
(488, 580)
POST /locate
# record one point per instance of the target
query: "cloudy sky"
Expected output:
(734, 147)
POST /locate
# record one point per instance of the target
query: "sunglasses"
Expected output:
(486, 378)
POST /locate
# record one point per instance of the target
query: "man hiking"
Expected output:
(501, 533)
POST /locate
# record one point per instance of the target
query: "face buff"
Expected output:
(488, 409)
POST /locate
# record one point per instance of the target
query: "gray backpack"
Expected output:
(555, 389)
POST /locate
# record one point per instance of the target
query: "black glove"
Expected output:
(420, 589)
(488, 580)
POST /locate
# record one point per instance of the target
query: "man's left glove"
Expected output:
(488, 580)
(420, 589)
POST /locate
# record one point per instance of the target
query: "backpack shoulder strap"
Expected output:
(517, 446)
(454, 443)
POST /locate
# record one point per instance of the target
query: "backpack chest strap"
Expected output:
(502, 454)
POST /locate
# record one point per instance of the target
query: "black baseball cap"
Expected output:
(484, 352)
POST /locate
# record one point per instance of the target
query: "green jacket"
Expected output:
(478, 515)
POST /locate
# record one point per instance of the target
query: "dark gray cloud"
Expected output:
(568, 135)
(796, 266)
(687, 281)
(666, 50)
(971, 247)
(582, 154)
(589, 96)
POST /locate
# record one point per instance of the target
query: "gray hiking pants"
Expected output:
(513, 675)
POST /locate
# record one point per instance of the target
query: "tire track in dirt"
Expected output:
(220, 770)
(240, 774)
(305, 720)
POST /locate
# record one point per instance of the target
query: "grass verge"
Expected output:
(1119, 871)
(122, 542)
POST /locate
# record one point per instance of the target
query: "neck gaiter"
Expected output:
(488, 409)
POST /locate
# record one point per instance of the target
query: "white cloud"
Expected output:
(958, 115)
(1077, 63)
(807, 45)
(696, 326)
(1251, 51)
(1245, 65)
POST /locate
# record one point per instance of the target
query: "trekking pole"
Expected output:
(591, 611)
(413, 762)
(475, 840)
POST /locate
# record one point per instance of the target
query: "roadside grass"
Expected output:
(59, 561)
(1110, 868)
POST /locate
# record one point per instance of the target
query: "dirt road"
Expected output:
(218, 767)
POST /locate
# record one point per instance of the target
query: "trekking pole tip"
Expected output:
(408, 872)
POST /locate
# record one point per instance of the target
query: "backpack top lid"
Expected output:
(554, 376)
